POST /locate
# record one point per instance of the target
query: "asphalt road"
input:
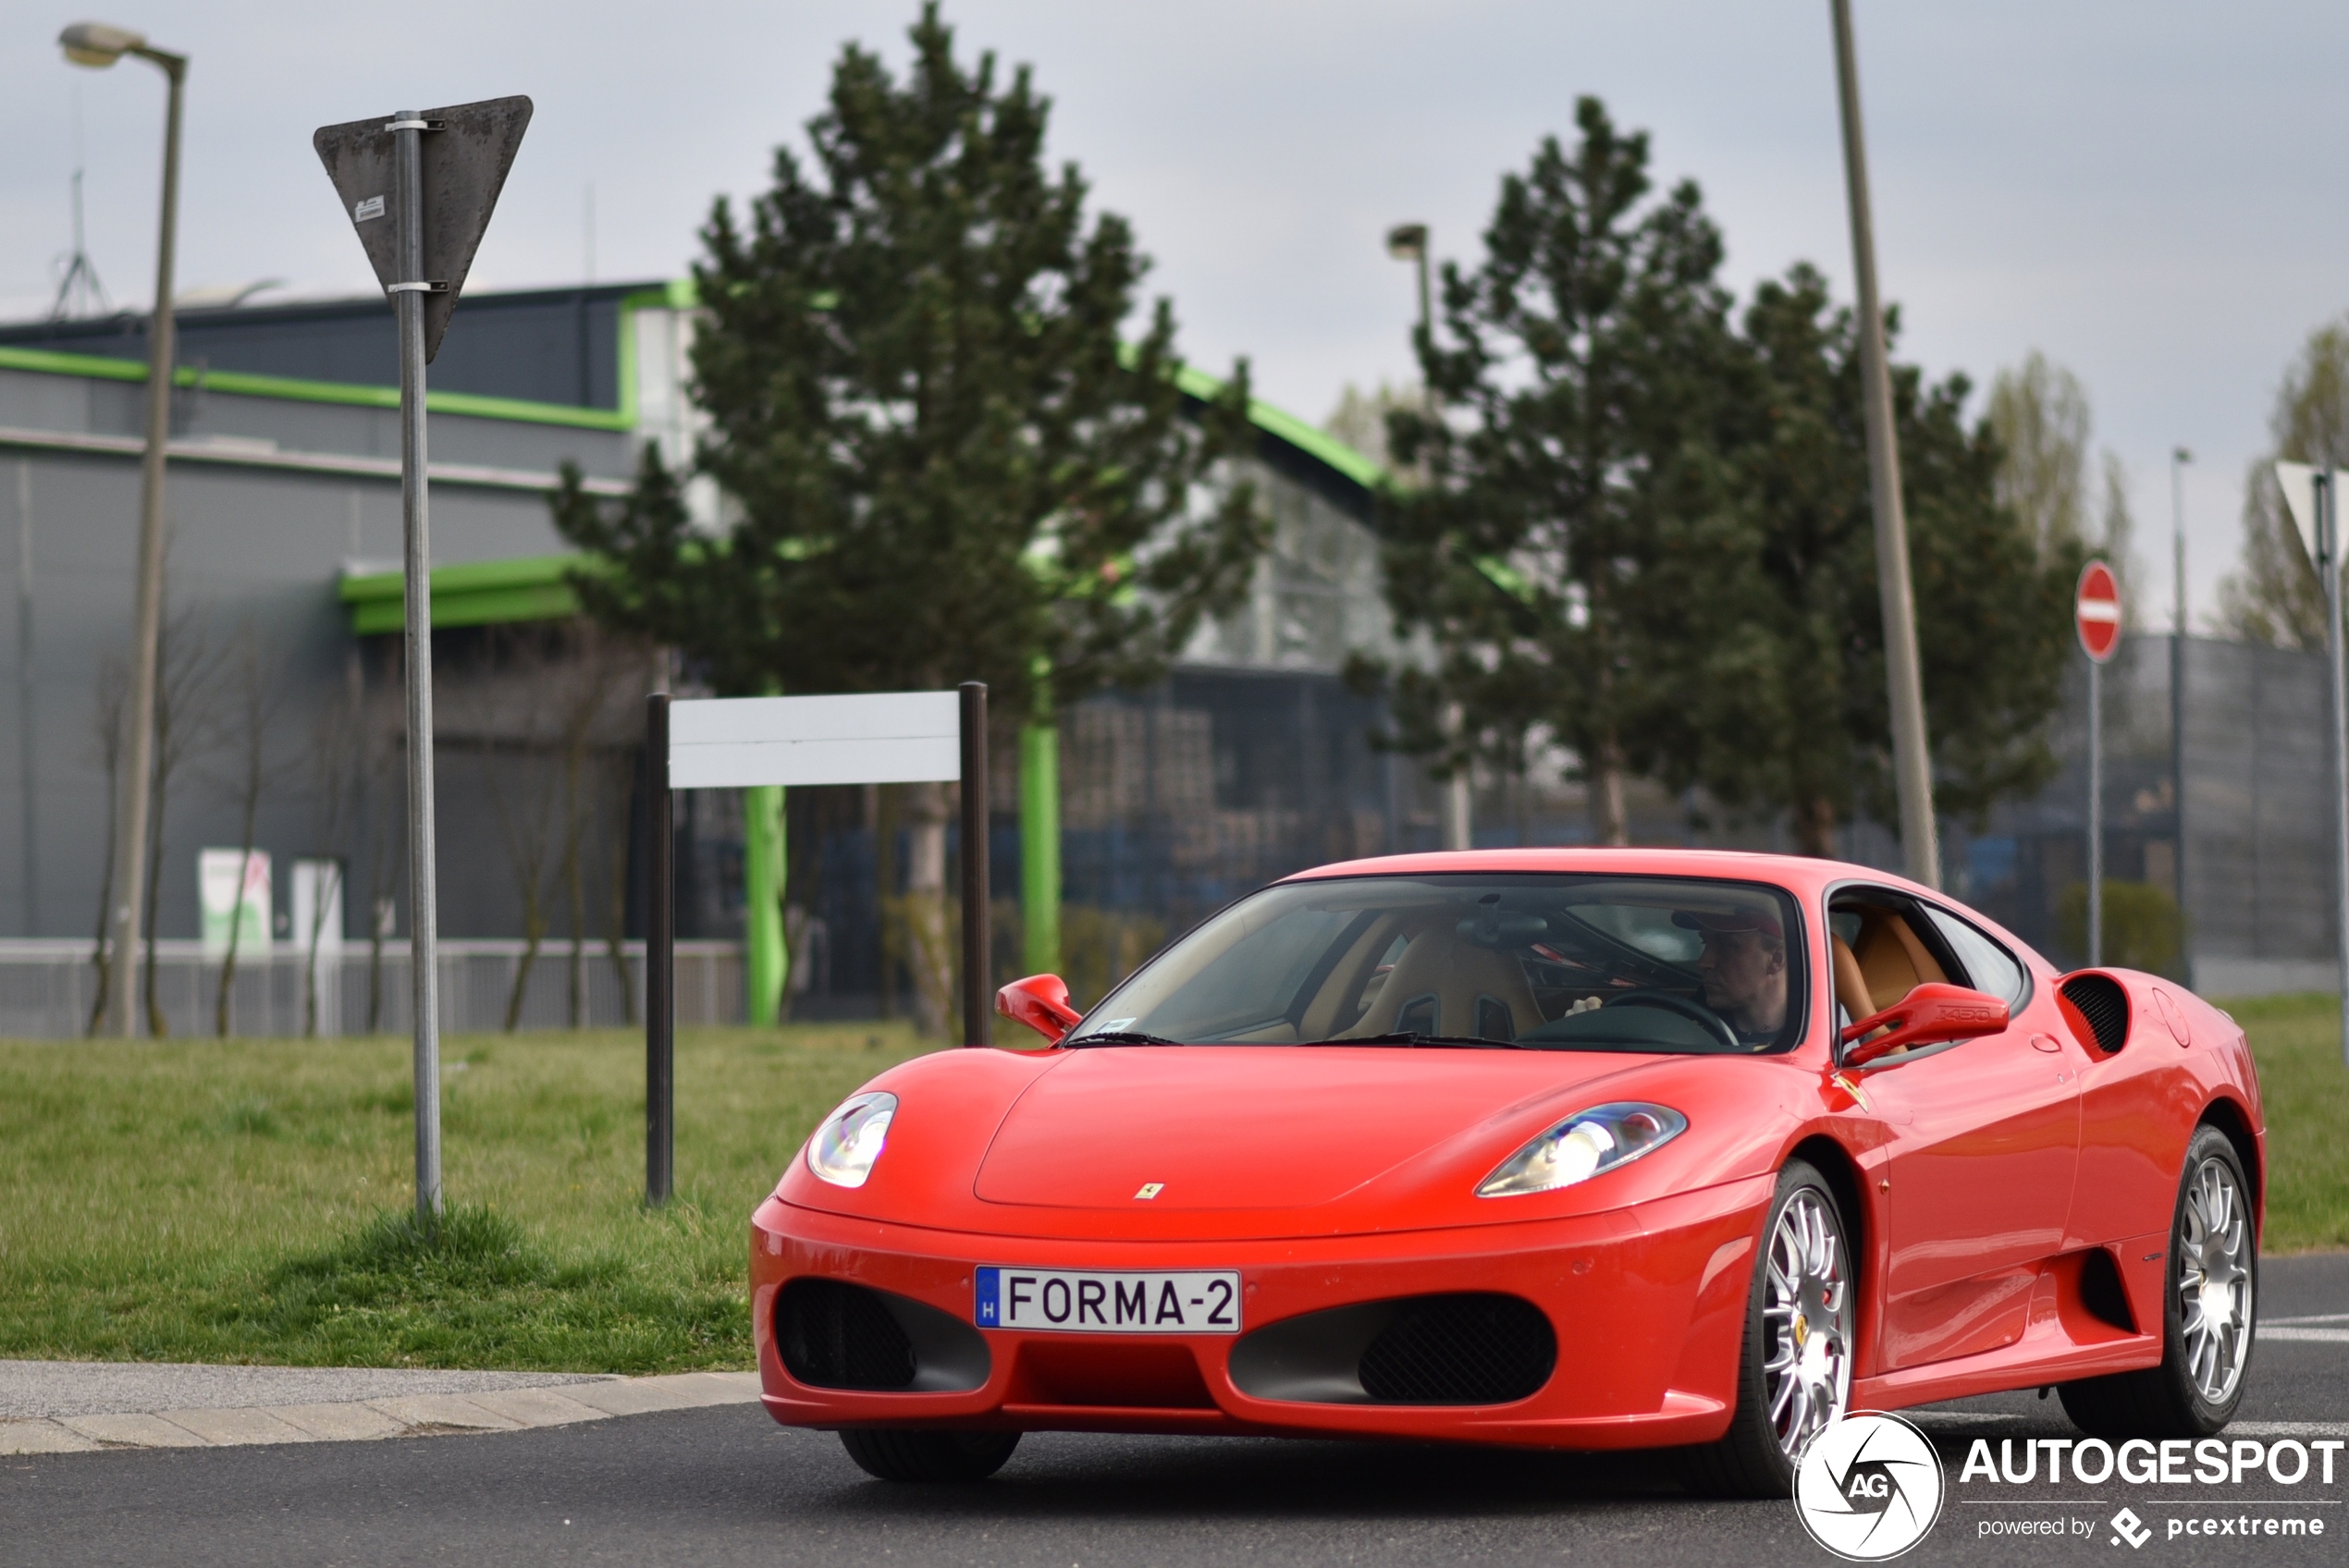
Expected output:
(726, 1485)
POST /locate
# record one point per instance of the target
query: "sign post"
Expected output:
(418, 189)
(741, 742)
(2096, 615)
(2313, 496)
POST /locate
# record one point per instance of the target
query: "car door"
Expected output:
(1984, 1136)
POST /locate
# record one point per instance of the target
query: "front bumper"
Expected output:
(1647, 1302)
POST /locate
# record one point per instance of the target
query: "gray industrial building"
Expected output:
(1251, 759)
(282, 509)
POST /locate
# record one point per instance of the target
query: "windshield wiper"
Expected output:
(1121, 1037)
(1456, 1042)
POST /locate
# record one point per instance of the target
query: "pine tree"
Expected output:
(1775, 698)
(942, 461)
(1576, 362)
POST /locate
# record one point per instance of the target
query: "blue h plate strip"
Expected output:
(989, 1295)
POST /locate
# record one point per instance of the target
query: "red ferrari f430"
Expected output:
(1578, 1149)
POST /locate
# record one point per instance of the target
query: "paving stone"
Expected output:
(40, 1437)
(636, 1396)
(339, 1422)
(537, 1407)
(444, 1410)
(139, 1431)
(707, 1388)
(237, 1428)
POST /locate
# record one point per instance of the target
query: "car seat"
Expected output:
(1444, 984)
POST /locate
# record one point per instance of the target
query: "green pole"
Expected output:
(1040, 831)
(765, 961)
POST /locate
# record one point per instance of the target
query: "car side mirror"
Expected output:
(1926, 1016)
(1040, 1001)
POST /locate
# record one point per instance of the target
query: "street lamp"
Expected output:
(1407, 242)
(99, 45)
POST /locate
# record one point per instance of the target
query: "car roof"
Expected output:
(1797, 874)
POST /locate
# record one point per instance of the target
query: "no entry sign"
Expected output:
(2096, 611)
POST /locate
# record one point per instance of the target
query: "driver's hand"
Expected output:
(1588, 1004)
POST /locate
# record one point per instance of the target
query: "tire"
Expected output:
(1795, 1371)
(906, 1455)
(2209, 1313)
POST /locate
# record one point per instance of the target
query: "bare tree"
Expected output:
(338, 759)
(384, 745)
(620, 774)
(2040, 415)
(187, 692)
(2274, 595)
(112, 692)
(253, 701)
(594, 667)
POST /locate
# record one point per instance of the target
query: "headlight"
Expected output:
(1581, 1147)
(844, 1147)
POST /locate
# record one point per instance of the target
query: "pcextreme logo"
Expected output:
(1869, 1487)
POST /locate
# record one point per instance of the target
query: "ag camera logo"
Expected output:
(1869, 1487)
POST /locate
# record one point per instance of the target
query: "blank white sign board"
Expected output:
(866, 737)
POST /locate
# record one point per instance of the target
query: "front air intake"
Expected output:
(1460, 1350)
(2103, 1006)
(833, 1335)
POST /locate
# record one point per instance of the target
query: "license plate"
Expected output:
(1085, 1301)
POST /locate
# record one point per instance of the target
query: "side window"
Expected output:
(1988, 966)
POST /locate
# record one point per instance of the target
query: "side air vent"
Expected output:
(2103, 1006)
(1460, 1350)
(831, 1334)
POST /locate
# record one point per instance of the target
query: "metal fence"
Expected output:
(2254, 836)
(47, 989)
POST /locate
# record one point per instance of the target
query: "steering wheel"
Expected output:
(1697, 1013)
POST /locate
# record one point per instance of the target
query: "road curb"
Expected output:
(414, 1416)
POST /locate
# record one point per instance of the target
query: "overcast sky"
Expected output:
(2147, 191)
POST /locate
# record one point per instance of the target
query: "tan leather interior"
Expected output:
(1850, 986)
(1456, 974)
(1347, 981)
(1892, 961)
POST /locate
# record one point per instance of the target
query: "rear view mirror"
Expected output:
(1928, 1015)
(1040, 1001)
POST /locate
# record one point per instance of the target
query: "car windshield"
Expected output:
(1539, 960)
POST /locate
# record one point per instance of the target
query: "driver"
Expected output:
(1743, 966)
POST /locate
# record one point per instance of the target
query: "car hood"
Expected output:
(1249, 1127)
(1267, 1140)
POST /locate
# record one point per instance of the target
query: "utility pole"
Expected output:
(1407, 242)
(1911, 758)
(98, 45)
(2179, 457)
(2328, 500)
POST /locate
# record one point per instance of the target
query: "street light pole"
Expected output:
(1911, 760)
(96, 44)
(2179, 457)
(1407, 242)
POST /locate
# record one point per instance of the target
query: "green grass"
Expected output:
(2304, 1089)
(252, 1200)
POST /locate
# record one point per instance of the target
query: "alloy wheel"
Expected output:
(1806, 1318)
(2214, 1279)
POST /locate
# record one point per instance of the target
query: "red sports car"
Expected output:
(1572, 1149)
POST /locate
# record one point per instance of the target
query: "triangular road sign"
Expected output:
(2296, 480)
(465, 160)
